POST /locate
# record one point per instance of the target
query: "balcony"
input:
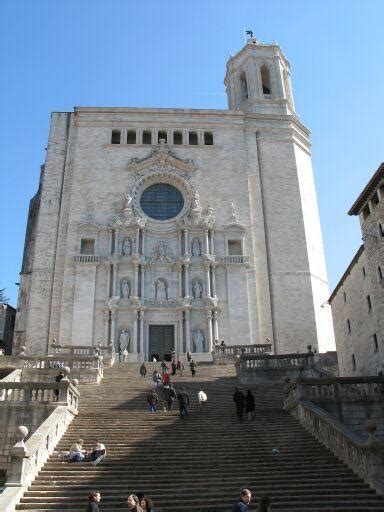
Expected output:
(234, 259)
(86, 258)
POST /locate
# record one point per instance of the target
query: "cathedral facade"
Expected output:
(163, 230)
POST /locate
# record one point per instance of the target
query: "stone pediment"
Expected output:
(161, 159)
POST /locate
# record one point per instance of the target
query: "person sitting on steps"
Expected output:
(98, 453)
(77, 452)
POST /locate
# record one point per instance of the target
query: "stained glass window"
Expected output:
(161, 201)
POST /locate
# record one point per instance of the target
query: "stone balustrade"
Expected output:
(233, 259)
(365, 457)
(108, 353)
(86, 258)
(14, 376)
(272, 368)
(39, 392)
(226, 354)
(28, 458)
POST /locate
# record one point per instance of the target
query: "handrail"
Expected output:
(39, 392)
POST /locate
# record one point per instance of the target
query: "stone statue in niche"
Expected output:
(127, 247)
(128, 208)
(198, 341)
(196, 250)
(195, 205)
(125, 289)
(197, 290)
(160, 290)
(124, 341)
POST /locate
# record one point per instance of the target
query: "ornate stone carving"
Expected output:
(161, 158)
(197, 290)
(162, 252)
(113, 301)
(161, 292)
(196, 247)
(124, 341)
(125, 289)
(127, 247)
(128, 216)
(198, 340)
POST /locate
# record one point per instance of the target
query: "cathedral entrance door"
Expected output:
(161, 342)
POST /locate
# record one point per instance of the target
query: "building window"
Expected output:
(161, 201)
(348, 326)
(369, 303)
(147, 137)
(208, 138)
(177, 137)
(345, 296)
(381, 230)
(234, 248)
(375, 343)
(363, 271)
(131, 137)
(87, 246)
(193, 141)
(379, 273)
(162, 135)
(353, 362)
(115, 138)
(265, 81)
(243, 86)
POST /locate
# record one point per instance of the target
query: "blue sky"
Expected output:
(59, 54)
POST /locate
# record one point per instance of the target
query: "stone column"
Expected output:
(212, 242)
(134, 334)
(114, 280)
(213, 269)
(216, 325)
(181, 337)
(142, 280)
(116, 248)
(208, 280)
(106, 329)
(180, 278)
(143, 241)
(108, 266)
(186, 242)
(110, 241)
(113, 326)
(206, 242)
(136, 281)
(141, 352)
(180, 243)
(209, 318)
(137, 240)
(186, 281)
(187, 331)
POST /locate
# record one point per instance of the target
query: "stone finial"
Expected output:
(23, 350)
(66, 370)
(75, 382)
(373, 443)
(19, 449)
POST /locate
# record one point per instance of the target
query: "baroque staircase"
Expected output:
(199, 463)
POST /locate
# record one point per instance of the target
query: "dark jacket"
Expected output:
(152, 399)
(239, 399)
(93, 507)
(239, 506)
(183, 398)
(249, 402)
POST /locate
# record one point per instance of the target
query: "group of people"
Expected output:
(77, 452)
(169, 395)
(244, 403)
(136, 502)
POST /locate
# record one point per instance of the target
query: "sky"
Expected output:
(56, 54)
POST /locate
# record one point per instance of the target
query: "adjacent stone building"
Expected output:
(165, 229)
(7, 325)
(358, 299)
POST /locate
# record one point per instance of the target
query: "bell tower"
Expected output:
(258, 80)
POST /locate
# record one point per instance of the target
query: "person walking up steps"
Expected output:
(193, 367)
(180, 368)
(183, 398)
(133, 503)
(203, 399)
(241, 505)
(143, 371)
(239, 399)
(152, 401)
(93, 502)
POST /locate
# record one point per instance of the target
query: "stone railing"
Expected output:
(265, 367)
(233, 259)
(83, 368)
(108, 353)
(39, 392)
(15, 376)
(28, 458)
(226, 354)
(86, 258)
(366, 458)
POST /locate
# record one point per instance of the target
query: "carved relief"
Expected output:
(162, 252)
(127, 247)
(196, 247)
(197, 289)
(125, 289)
(161, 290)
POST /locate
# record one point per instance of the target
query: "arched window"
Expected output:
(265, 80)
(243, 86)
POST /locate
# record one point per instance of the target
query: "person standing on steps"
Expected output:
(180, 368)
(203, 399)
(250, 405)
(152, 401)
(58, 378)
(164, 367)
(241, 505)
(147, 504)
(239, 399)
(171, 397)
(189, 356)
(143, 371)
(174, 367)
(93, 502)
(165, 397)
(183, 399)
(193, 367)
(134, 503)
(125, 355)
(156, 377)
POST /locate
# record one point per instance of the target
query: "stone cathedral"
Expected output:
(163, 230)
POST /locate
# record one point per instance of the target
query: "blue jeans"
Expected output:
(153, 407)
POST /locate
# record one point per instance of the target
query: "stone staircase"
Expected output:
(196, 464)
